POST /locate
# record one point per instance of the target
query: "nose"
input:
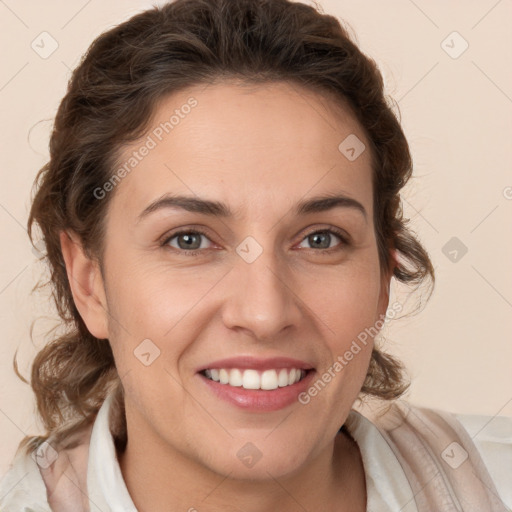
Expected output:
(262, 299)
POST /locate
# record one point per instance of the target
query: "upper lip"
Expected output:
(257, 363)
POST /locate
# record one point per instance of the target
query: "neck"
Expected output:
(159, 478)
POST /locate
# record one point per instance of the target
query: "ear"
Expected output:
(86, 285)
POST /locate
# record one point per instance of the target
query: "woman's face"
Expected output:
(264, 278)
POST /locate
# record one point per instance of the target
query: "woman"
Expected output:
(222, 221)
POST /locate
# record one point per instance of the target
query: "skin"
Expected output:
(260, 150)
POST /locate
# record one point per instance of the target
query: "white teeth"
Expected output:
(269, 379)
(235, 378)
(224, 376)
(283, 378)
(253, 379)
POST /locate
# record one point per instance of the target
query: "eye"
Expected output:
(189, 241)
(322, 239)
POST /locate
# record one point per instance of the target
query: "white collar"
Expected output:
(387, 487)
(105, 483)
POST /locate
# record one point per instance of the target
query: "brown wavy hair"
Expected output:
(109, 102)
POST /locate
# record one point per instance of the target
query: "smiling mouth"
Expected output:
(255, 379)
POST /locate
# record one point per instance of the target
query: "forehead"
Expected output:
(270, 143)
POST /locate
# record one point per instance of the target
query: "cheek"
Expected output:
(346, 306)
(149, 335)
(159, 305)
(346, 301)
(153, 300)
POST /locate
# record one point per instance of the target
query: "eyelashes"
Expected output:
(188, 252)
(329, 232)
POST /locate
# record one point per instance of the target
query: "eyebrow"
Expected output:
(219, 209)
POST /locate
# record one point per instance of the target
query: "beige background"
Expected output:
(457, 114)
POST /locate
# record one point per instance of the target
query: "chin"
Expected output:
(258, 461)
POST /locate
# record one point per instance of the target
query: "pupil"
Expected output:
(316, 237)
(189, 240)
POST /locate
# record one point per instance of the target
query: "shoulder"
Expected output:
(22, 488)
(462, 446)
(49, 476)
(492, 436)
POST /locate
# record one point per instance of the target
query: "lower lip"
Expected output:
(259, 399)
